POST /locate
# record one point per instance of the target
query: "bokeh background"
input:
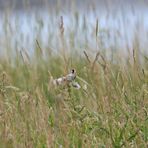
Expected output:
(121, 24)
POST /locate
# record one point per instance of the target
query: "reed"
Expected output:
(110, 108)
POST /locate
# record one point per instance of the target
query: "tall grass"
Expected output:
(110, 109)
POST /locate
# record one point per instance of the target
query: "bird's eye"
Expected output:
(72, 70)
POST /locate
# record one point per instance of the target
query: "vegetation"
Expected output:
(110, 109)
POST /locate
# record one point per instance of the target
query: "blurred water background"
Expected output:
(122, 25)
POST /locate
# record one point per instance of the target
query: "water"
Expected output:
(119, 29)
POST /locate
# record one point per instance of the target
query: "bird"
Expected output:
(68, 79)
(71, 76)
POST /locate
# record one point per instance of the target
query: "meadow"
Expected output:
(109, 110)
